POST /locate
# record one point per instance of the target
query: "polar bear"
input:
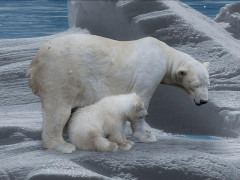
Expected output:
(79, 69)
(92, 127)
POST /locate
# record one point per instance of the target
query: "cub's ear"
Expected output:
(181, 73)
(206, 64)
(137, 107)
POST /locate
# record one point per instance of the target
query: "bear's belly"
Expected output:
(96, 90)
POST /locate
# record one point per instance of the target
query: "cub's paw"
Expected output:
(112, 147)
(130, 142)
(125, 146)
(145, 136)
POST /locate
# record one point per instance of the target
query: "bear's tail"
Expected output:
(31, 74)
(29, 70)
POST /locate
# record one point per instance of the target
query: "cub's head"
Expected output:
(193, 78)
(137, 108)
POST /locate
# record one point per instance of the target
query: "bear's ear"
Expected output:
(134, 94)
(181, 73)
(206, 64)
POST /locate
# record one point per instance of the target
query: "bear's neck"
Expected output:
(173, 64)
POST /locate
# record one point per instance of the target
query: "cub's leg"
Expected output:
(55, 116)
(125, 140)
(127, 144)
(100, 143)
(120, 139)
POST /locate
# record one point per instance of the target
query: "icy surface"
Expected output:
(229, 17)
(23, 157)
(172, 157)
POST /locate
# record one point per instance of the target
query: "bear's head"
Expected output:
(192, 76)
(137, 108)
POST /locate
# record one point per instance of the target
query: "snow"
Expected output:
(23, 157)
(229, 17)
(173, 156)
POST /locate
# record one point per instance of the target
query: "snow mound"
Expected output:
(229, 17)
(187, 30)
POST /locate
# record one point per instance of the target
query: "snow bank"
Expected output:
(229, 17)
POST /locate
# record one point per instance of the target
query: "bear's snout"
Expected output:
(203, 101)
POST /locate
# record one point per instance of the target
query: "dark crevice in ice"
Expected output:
(13, 135)
(186, 117)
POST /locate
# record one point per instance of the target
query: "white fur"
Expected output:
(100, 127)
(78, 70)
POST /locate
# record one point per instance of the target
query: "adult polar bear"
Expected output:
(78, 70)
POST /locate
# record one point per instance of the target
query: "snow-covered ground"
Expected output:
(171, 157)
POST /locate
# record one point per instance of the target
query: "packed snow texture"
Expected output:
(229, 17)
(23, 156)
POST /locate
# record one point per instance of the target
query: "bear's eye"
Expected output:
(191, 89)
(138, 108)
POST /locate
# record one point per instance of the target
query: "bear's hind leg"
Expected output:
(102, 144)
(54, 119)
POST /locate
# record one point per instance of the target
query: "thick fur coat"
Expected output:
(100, 127)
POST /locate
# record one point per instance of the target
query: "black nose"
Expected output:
(203, 101)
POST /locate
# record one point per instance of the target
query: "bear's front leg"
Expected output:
(141, 132)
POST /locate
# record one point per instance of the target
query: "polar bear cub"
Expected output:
(100, 127)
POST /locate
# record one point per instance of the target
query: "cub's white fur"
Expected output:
(100, 127)
(78, 70)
